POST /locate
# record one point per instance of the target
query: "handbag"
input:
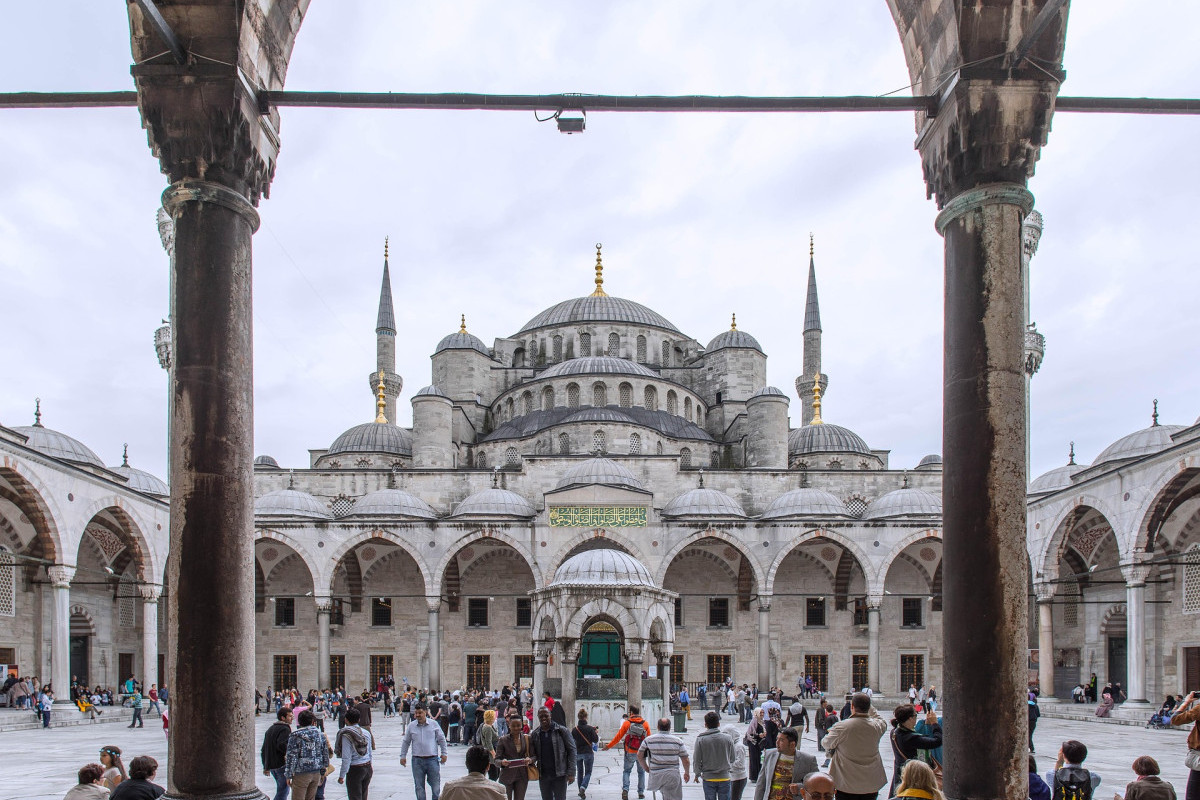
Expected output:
(595, 745)
(1192, 760)
(531, 770)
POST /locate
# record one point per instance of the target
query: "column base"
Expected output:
(251, 794)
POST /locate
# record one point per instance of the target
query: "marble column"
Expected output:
(1135, 616)
(764, 642)
(1045, 604)
(873, 645)
(150, 594)
(434, 605)
(60, 632)
(541, 652)
(983, 493)
(633, 671)
(324, 610)
(569, 668)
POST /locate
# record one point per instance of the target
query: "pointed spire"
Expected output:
(599, 274)
(1155, 417)
(812, 309)
(125, 456)
(495, 477)
(462, 325)
(37, 412)
(1071, 457)
(733, 324)
(816, 420)
(291, 479)
(905, 479)
(701, 477)
(380, 403)
(386, 321)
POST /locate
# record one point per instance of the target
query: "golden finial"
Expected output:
(810, 247)
(462, 327)
(733, 324)
(380, 402)
(599, 274)
(385, 248)
(816, 420)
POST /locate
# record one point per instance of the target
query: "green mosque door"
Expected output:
(600, 652)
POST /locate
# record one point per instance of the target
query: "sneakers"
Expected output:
(624, 794)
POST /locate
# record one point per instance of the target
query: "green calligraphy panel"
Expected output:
(598, 516)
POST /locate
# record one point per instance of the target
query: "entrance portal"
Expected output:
(1116, 660)
(80, 651)
(600, 652)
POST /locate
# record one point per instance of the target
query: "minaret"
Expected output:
(1035, 343)
(812, 343)
(385, 345)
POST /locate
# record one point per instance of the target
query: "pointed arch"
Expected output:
(30, 494)
(495, 534)
(1064, 522)
(847, 544)
(362, 537)
(609, 611)
(1165, 493)
(739, 544)
(131, 530)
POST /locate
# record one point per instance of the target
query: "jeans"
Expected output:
(553, 788)
(45, 719)
(358, 778)
(631, 762)
(427, 769)
(583, 767)
(154, 707)
(137, 719)
(281, 787)
(716, 790)
(735, 789)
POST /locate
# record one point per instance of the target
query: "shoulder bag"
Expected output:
(531, 769)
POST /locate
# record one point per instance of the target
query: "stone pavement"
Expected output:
(41, 764)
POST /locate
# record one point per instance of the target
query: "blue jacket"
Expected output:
(307, 751)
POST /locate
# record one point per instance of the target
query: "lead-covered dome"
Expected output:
(603, 567)
(602, 471)
(703, 503)
(266, 462)
(494, 503)
(1055, 479)
(805, 502)
(290, 503)
(597, 365)
(904, 503)
(431, 391)
(733, 338)
(1139, 443)
(141, 481)
(58, 445)
(930, 462)
(393, 503)
(597, 309)
(826, 438)
(461, 340)
(373, 437)
(769, 391)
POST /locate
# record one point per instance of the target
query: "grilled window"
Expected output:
(651, 398)
(598, 442)
(614, 345)
(479, 672)
(672, 403)
(599, 395)
(285, 672)
(717, 668)
(381, 612)
(641, 349)
(573, 395)
(910, 614)
(666, 354)
(912, 671)
(564, 444)
(685, 458)
(678, 612)
(511, 457)
(626, 393)
(547, 399)
(337, 672)
(524, 612)
(818, 667)
(859, 671)
(635, 444)
(718, 612)
(477, 612)
(522, 667)
(860, 611)
(380, 666)
(585, 345)
(814, 612)
(557, 348)
(285, 612)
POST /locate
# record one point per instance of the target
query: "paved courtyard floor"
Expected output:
(42, 764)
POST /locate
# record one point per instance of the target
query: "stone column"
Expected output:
(60, 632)
(764, 642)
(633, 670)
(434, 605)
(150, 594)
(324, 610)
(873, 673)
(1045, 601)
(541, 652)
(1135, 616)
(569, 668)
(986, 574)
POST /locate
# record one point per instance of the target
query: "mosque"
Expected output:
(600, 497)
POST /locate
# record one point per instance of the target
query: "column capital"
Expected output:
(764, 603)
(990, 194)
(1044, 591)
(191, 190)
(1134, 571)
(61, 575)
(150, 592)
(569, 649)
(324, 605)
(874, 603)
(433, 604)
(635, 650)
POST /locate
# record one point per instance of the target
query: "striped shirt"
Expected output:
(663, 751)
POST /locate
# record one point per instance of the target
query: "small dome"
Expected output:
(597, 365)
(599, 415)
(1055, 479)
(768, 391)
(290, 503)
(604, 308)
(58, 445)
(393, 503)
(266, 462)
(603, 567)
(373, 437)
(494, 503)
(904, 503)
(930, 462)
(603, 471)
(733, 338)
(826, 438)
(1139, 443)
(703, 503)
(805, 502)
(142, 481)
(432, 391)
(460, 340)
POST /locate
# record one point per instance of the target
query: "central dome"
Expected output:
(597, 365)
(373, 437)
(826, 438)
(598, 309)
(602, 567)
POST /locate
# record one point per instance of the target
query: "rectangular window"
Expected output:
(8, 655)
(678, 612)
(337, 672)
(858, 671)
(381, 612)
(285, 612)
(912, 671)
(337, 612)
(860, 611)
(910, 616)
(718, 668)
(524, 612)
(285, 672)
(479, 672)
(814, 612)
(718, 612)
(522, 667)
(818, 667)
(125, 666)
(380, 666)
(477, 612)
(677, 669)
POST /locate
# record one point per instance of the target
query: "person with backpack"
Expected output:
(1069, 780)
(631, 734)
(685, 701)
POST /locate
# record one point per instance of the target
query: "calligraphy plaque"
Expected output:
(598, 516)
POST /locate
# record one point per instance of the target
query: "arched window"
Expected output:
(687, 408)
(481, 461)
(666, 354)
(8, 583)
(598, 442)
(511, 457)
(527, 402)
(1191, 580)
(509, 409)
(585, 344)
(547, 398)
(626, 391)
(599, 394)
(658, 448)
(635, 444)
(834, 464)
(672, 402)
(533, 352)
(699, 414)
(651, 398)
(641, 349)
(557, 349)
(519, 357)
(714, 460)
(614, 345)
(685, 458)
(564, 444)
(573, 395)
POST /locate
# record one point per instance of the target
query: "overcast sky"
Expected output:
(496, 215)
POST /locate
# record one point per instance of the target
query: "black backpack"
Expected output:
(1072, 783)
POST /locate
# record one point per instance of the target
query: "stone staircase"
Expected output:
(1135, 715)
(65, 715)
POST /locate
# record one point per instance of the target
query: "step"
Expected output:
(64, 716)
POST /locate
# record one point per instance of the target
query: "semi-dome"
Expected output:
(904, 503)
(141, 481)
(461, 340)
(597, 365)
(597, 309)
(494, 503)
(431, 391)
(266, 462)
(602, 567)
(393, 503)
(805, 502)
(1055, 479)
(526, 425)
(930, 462)
(1139, 443)
(602, 471)
(373, 437)
(826, 438)
(599, 414)
(703, 502)
(58, 445)
(733, 338)
(290, 503)
(769, 391)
